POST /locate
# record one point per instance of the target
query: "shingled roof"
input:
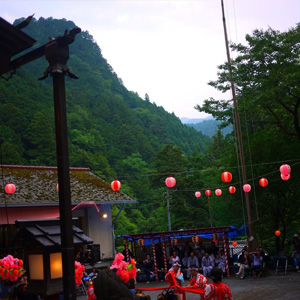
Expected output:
(37, 185)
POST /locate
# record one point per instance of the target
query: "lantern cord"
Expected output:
(3, 184)
(250, 157)
(206, 170)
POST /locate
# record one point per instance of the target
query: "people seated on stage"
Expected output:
(175, 271)
(220, 261)
(217, 289)
(147, 266)
(207, 264)
(192, 261)
(244, 264)
(198, 281)
(173, 259)
(257, 266)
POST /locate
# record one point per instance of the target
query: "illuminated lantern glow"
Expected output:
(285, 169)
(140, 242)
(208, 193)
(218, 192)
(247, 188)
(215, 237)
(285, 177)
(277, 232)
(234, 243)
(57, 187)
(231, 189)
(170, 182)
(195, 239)
(263, 182)
(226, 176)
(173, 242)
(197, 194)
(10, 188)
(115, 185)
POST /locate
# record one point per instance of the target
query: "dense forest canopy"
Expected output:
(117, 134)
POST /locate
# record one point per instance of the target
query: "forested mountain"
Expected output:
(107, 123)
(119, 135)
(210, 127)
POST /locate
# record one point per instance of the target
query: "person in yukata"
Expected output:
(217, 289)
(207, 264)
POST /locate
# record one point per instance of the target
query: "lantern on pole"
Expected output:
(218, 192)
(115, 185)
(208, 193)
(285, 169)
(263, 182)
(197, 194)
(141, 242)
(170, 182)
(226, 176)
(234, 243)
(231, 189)
(277, 232)
(247, 188)
(10, 188)
(285, 177)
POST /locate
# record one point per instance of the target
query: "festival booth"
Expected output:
(170, 238)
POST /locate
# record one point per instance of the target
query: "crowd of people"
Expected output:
(204, 258)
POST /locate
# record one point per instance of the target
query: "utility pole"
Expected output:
(239, 135)
(168, 209)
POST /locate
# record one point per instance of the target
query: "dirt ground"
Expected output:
(271, 287)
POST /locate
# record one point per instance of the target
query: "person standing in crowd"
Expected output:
(147, 266)
(217, 289)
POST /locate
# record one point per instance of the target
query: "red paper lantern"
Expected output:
(218, 192)
(10, 188)
(234, 243)
(115, 185)
(173, 242)
(263, 182)
(231, 189)
(226, 176)
(277, 232)
(208, 193)
(197, 194)
(141, 242)
(247, 188)
(195, 239)
(170, 182)
(215, 237)
(285, 169)
(285, 177)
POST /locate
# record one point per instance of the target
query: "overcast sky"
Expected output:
(168, 49)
